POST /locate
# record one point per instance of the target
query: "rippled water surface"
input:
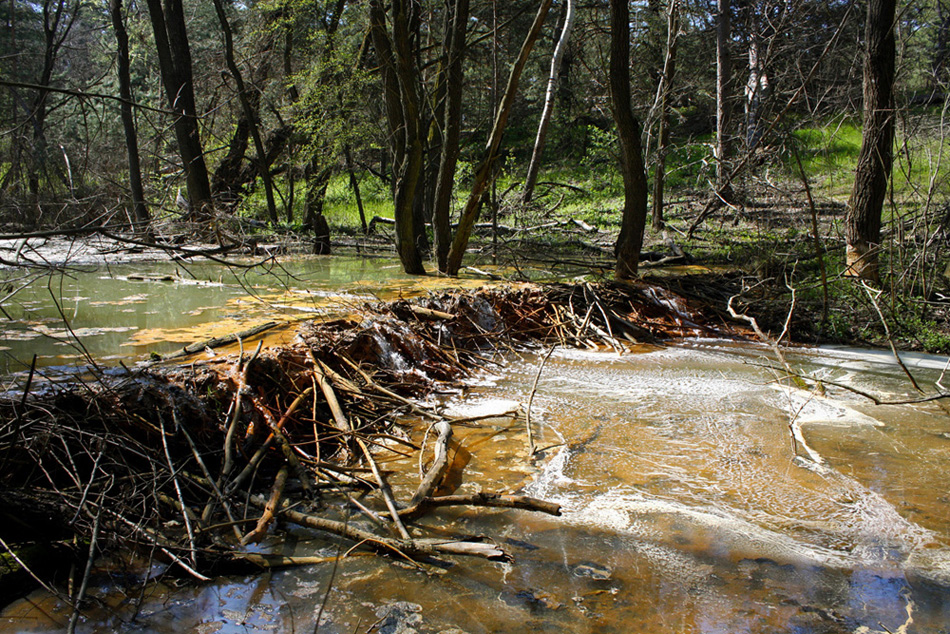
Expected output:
(699, 495)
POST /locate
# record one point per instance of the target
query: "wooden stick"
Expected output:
(320, 373)
(496, 500)
(440, 465)
(428, 313)
(534, 389)
(257, 534)
(417, 548)
(265, 560)
(238, 394)
(220, 341)
(385, 491)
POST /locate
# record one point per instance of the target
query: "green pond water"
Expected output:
(699, 494)
(126, 311)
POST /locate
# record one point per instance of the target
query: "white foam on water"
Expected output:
(811, 408)
(552, 481)
(476, 407)
(714, 531)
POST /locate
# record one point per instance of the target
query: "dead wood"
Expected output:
(440, 464)
(496, 500)
(173, 459)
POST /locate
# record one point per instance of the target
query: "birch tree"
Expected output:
(535, 165)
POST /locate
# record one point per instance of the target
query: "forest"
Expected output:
(707, 190)
(286, 113)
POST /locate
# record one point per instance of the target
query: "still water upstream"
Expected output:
(699, 496)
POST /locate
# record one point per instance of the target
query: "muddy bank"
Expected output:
(189, 465)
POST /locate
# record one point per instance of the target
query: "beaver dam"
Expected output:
(354, 439)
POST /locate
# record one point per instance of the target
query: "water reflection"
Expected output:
(688, 508)
(124, 312)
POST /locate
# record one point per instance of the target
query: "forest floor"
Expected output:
(762, 250)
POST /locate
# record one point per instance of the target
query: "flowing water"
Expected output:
(699, 495)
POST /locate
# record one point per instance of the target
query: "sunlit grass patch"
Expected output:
(829, 155)
(340, 205)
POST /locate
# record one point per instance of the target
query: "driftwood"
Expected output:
(409, 548)
(216, 342)
(172, 460)
(440, 464)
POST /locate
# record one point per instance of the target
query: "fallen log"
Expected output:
(494, 500)
(217, 342)
(411, 548)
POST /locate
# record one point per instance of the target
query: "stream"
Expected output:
(686, 509)
(699, 494)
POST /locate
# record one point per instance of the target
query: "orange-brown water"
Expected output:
(688, 508)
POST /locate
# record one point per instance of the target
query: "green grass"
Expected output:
(829, 155)
(340, 205)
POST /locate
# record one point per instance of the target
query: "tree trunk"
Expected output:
(863, 219)
(355, 184)
(535, 165)
(263, 168)
(454, 50)
(226, 182)
(757, 86)
(140, 209)
(723, 99)
(486, 170)
(663, 94)
(57, 23)
(633, 222)
(317, 180)
(174, 61)
(401, 86)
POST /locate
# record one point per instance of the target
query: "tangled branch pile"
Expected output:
(191, 463)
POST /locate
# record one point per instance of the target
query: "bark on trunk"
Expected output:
(57, 23)
(663, 102)
(355, 184)
(401, 85)
(486, 169)
(723, 98)
(633, 222)
(250, 114)
(451, 132)
(863, 221)
(140, 209)
(174, 60)
(535, 165)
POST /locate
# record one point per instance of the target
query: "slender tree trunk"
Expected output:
(226, 182)
(355, 184)
(633, 222)
(263, 168)
(757, 86)
(451, 132)
(140, 209)
(663, 94)
(12, 177)
(58, 19)
(535, 165)
(317, 181)
(401, 85)
(486, 170)
(863, 219)
(723, 98)
(174, 60)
